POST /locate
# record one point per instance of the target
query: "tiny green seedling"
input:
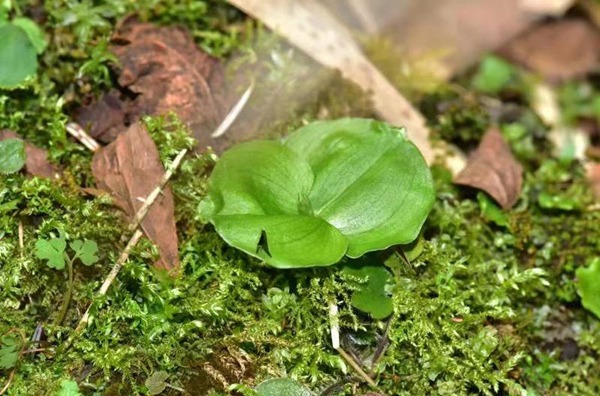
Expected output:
(56, 256)
(21, 40)
(332, 189)
(68, 388)
(12, 156)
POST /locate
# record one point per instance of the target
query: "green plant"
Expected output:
(282, 387)
(589, 286)
(54, 252)
(370, 295)
(9, 352)
(68, 388)
(493, 75)
(12, 156)
(21, 40)
(333, 188)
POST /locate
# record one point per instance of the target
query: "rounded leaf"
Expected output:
(333, 188)
(12, 155)
(18, 59)
(371, 182)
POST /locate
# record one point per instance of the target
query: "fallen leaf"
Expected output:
(36, 159)
(593, 175)
(165, 71)
(320, 35)
(130, 168)
(493, 169)
(105, 118)
(558, 50)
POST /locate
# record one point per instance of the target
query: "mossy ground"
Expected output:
(485, 309)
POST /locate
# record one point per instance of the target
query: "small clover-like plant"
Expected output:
(282, 387)
(9, 352)
(332, 188)
(54, 251)
(370, 281)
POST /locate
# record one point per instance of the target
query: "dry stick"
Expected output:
(143, 211)
(335, 340)
(82, 136)
(233, 113)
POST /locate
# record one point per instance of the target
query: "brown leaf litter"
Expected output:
(493, 169)
(161, 70)
(130, 168)
(36, 159)
(558, 50)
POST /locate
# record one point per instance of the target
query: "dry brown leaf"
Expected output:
(593, 175)
(493, 169)
(310, 26)
(558, 50)
(166, 72)
(129, 168)
(36, 161)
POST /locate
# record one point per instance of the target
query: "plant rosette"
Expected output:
(332, 188)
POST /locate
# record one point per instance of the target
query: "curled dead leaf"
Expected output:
(493, 169)
(130, 168)
(558, 50)
(36, 159)
(161, 70)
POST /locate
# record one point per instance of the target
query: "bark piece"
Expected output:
(558, 50)
(36, 161)
(130, 168)
(493, 169)
(161, 70)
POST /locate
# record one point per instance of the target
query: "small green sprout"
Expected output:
(333, 188)
(54, 252)
(589, 286)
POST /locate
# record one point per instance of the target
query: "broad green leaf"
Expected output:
(18, 59)
(588, 284)
(85, 251)
(333, 188)
(9, 352)
(34, 32)
(52, 250)
(282, 387)
(12, 155)
(156, 383)
(493, 75)
(371, 296)
(371, 182)
(68, 388)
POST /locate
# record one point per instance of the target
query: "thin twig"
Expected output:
(355, 366)
(75, 130)
(234, 113)
(381, 347)
(335, 340)
(21, 243)
(143, 211)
